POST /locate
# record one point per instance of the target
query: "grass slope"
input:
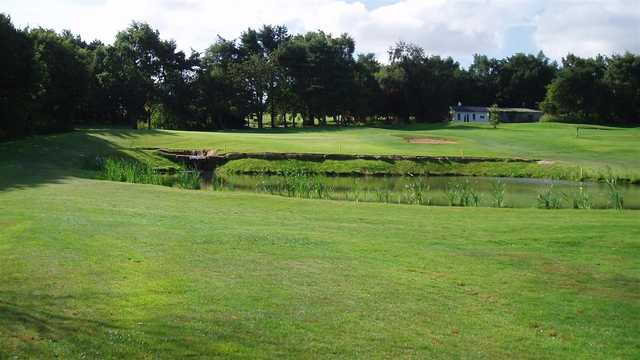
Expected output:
(110, 270)
(613, 147)
(94, 269)
(595, 151)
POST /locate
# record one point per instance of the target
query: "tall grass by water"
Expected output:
(550, 199)
(498, 192)
(462, 194)
(616, 199)
(300, 184)
(123, 170)
(582, 198)
(419, 191)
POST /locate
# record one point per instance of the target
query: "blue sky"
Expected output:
(457, 28)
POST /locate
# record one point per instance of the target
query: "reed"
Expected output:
(123, 170)
(549, 199)
(616, 200)
(462, 194)
(416, 193)
(189, 179)
(582, 198)
(498, 190)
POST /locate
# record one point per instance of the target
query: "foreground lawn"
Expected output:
(108, 270)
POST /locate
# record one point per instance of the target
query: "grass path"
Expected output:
(109, 270)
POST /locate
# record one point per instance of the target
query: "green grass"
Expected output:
(599, 149)
(111, 270)
(595, 151)
(408, 167)
(99, 269)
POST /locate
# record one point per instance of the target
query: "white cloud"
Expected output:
(446, 27)
(588, 28)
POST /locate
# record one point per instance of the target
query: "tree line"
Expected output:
(269, 77)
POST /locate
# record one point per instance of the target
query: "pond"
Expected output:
(441, 190)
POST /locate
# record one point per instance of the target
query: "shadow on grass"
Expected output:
(43, 324)
(50, 158)
(297, 130)
(123, 133)
(28, 327)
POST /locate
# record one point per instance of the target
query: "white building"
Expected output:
(480, 113)
(469, 113)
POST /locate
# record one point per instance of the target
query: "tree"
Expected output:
(145, 62)
(480, 84)
(579, 92)
(220, 99)
(427, 86)
(366, 98)
(63, 80)
(321, 69)
(392, 80)
(17, 79)
(523, 79)
(494, 115)
(623, 80)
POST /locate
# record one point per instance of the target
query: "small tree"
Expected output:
(494, 116)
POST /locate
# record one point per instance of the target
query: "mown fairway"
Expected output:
(95, 269)
(595, 147)
(598, 150)
(117, 270)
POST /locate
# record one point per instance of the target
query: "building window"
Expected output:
(458, 116)
(481, 117)
(473, 116)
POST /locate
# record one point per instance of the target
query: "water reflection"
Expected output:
(518, 192)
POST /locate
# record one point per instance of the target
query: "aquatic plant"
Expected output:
(189, 179)
(498, 190)
(582, 198)
(116, 169)
(462, 194)
(416, 193)
(616, 200)
(549, 199)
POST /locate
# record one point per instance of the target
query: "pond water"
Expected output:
(441, 190)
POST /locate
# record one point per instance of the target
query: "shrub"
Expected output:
(494, 115)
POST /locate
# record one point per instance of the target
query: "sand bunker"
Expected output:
(431, 141)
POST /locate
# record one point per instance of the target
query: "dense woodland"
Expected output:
(268, 77)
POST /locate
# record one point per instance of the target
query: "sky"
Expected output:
(456, 28)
